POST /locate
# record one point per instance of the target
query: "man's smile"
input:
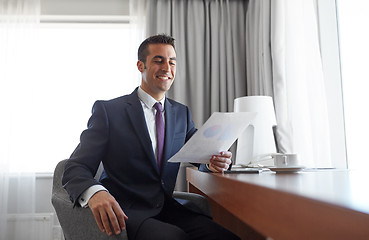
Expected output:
(164, 77)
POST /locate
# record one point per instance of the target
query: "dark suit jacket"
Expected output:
(117, 135)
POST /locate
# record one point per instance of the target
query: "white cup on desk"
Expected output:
(286, 160)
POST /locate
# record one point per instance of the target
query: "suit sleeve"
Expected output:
(82, 166)
(190, 125)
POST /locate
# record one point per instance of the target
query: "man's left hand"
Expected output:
(221, 162)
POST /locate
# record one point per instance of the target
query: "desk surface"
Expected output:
(322, 204)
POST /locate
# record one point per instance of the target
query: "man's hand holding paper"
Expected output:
(221, 162)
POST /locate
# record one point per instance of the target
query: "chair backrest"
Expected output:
(58, 190)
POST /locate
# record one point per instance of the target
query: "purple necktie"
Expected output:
(159, 132)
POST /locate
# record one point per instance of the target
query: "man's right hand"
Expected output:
(106, 210)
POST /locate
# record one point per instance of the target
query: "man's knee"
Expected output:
(167, 234)
(174, 233)
(153, 229)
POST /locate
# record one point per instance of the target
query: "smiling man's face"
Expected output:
(159, 70)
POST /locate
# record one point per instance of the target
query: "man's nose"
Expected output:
(166, 66)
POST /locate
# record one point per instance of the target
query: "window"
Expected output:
(77, 64)
(354, 38)
(330, 53)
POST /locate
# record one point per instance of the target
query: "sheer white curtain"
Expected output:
(18, 31)
(298, 82)
(283, 61)
(137, 20)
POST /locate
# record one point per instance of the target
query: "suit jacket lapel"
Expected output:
(137, 118)
(170, 119)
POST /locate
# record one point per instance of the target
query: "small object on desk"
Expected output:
(286, 169)
(244, 170)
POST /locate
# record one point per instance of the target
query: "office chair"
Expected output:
(79, 223)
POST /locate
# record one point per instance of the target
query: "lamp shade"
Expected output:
(258, 139)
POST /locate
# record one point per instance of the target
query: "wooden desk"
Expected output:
(325, 204)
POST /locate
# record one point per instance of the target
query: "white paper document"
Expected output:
(218, 134)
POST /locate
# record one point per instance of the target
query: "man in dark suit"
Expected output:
(135, 190)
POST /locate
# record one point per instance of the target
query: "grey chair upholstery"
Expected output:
(79, 223)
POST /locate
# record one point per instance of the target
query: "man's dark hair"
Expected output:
(143, 50)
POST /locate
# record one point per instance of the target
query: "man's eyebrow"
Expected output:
(158, 56)
(161, 57)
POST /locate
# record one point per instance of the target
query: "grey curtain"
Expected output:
(258, 49)
(211, 51)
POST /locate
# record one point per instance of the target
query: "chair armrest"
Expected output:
(77, 223)
(198, 200)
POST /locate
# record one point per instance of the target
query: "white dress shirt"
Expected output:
(147, 103)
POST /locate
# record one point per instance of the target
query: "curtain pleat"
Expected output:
(259, 74)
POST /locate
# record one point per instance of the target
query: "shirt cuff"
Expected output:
(86, 195)
(204, 168)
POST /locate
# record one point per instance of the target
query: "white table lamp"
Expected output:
(258, 138)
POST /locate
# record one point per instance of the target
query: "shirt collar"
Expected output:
(147, 99)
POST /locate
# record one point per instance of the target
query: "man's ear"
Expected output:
(140, 66)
